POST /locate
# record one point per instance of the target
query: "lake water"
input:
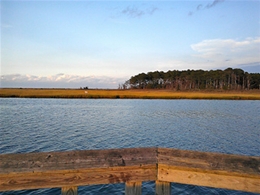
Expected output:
(37, 125)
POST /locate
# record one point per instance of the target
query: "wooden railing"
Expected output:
(132, 166)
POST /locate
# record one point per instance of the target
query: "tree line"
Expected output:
(228, 79)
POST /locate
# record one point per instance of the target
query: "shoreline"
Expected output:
(127, 94)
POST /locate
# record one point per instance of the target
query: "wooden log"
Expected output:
(69, 190)
(82, 177)
(233, 172)
(162, 188)
(209, 179)
(133, 188)
(73, 160)
(76, 168)
(209, 161)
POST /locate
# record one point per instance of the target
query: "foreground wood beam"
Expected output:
(82, 177)
(76, 168)
(217, 170)
(209, 179)
(130, 166)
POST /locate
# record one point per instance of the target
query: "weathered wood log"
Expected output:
(81, 177)
(79, 168)
(209, 161)
(76, 168)
(217, 170)
(73, 160)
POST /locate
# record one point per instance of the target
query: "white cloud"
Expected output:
(60, 81)
(228, 52)
(216, 54)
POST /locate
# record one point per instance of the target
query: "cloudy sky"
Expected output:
(100, 44)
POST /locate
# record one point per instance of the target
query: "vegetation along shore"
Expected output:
(228, 79)
(232, 84)
(129, 94)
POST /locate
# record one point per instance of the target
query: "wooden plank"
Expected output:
(76, 168)
(71, 160)
(217, 179)
(133, 188)
(162, 188)
(234, 172)
(73, 190)
(209, 161)
(81, 177)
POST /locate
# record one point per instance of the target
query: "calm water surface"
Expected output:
(36, 125)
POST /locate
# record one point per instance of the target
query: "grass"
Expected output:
(129, 94)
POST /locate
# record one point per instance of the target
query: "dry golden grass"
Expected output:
(130, 94)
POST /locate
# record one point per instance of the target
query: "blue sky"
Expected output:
(101, 44)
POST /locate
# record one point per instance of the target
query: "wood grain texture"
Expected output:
(209, 161)
(218, 170)
(82, 177)
(133, 188)
(69, 160)
(216, 179)
(76, 168)
(79, 168)
(73, 190)
(162, 188)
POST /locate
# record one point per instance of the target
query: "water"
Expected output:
(37, 125)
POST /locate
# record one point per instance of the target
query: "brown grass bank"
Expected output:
(128, 94)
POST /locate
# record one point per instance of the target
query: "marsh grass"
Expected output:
(129, 94)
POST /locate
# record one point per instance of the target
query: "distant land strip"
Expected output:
(228, 79)
(128, 94)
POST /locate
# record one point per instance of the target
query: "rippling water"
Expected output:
(36, 125)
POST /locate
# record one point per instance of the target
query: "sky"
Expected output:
(101, 44)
